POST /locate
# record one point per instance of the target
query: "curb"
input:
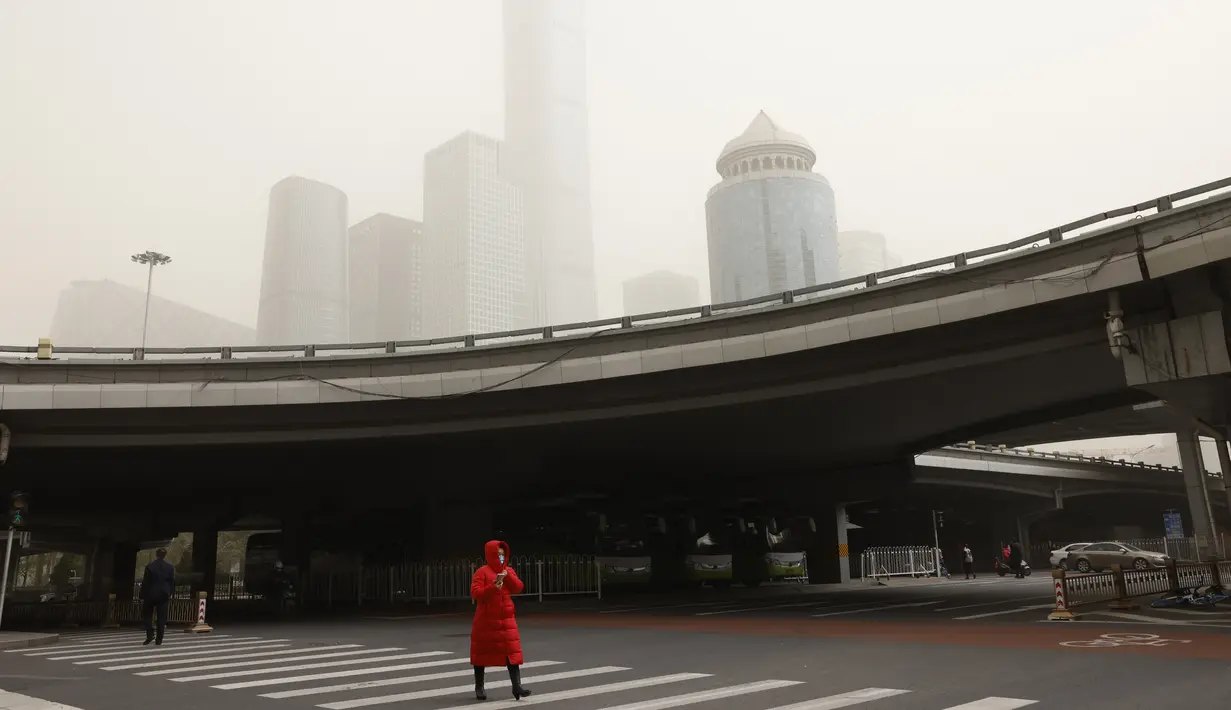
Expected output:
(29, 641)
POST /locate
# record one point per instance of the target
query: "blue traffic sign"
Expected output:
(1173, 525)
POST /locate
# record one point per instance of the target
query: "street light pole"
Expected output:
(150, 259)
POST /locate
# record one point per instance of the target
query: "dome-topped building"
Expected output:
(771, 223)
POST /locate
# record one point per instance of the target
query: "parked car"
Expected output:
(1101, 556)
(1060, 556)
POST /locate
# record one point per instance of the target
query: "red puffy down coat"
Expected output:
(494, 640)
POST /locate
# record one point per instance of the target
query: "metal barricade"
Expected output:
(906, 561)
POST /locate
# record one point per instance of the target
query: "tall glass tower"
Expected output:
(303, 276)
(546, 134)
(770, 222)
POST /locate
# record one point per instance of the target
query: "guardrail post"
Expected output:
(539, 565)
(598, 572)
(226, 353)
(1173, 577)
(1121, 602)
(1215, 574)
(1062, 611)
(200, 627)
(427, 589)
(109, 621)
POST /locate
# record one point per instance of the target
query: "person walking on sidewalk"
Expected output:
(968, 562)
(494, 640)
(157, 585)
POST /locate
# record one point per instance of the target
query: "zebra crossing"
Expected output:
(350, 675)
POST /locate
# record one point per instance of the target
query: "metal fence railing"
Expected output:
(904, 561)
(70, 614)
(551, 575)
(1120, 586)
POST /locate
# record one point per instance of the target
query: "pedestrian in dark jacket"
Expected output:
(494, 640)
(157, 585)
(1015, 559)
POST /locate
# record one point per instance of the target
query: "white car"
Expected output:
(1060, 557)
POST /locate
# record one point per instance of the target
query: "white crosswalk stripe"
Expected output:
(308, 666)
(731, 691)
(386, 682)
(376, 670)
(259, 665)
(994, 704)
(283, 659)
(843, 700)
(582, 692)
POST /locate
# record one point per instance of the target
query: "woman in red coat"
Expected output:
(494, 640)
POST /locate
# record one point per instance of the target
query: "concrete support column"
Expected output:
(829, 557)
(204, 560)
(1199, 510)
(458, 530)
(1023, 535)
(123, 570)
(296, 547)
(1224, 465)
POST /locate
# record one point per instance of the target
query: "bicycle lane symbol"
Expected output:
(1123, 639)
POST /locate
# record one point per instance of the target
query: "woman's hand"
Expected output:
(500, 580)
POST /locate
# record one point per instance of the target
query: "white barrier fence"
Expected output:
(905, 561)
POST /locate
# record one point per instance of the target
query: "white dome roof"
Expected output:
(763, 135)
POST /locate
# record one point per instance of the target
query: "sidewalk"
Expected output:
(20, 639)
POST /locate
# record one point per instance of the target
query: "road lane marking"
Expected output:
(667, 606)
(469, 687)
(759, 608)
(309, 666)
(843, 700)
(350, 673)
(1004, 612)
(197, 656)
(154, 650)
(730, 691)
(994, 704)
(585, 692)
(261, 655)
(1002, 601)
(385, 682)
(879, 608)
(413, 617)
(1141, 618)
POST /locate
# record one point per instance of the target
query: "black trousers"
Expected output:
(968, 568)
(148, 608)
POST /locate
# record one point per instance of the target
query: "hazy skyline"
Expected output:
(163, 125)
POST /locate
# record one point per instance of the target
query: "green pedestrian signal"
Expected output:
(19, 505)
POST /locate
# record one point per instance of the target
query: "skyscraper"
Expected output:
(303, 277)
(385, 280)
(474, 271)
(771, 222)
(862, 252)
(546, 131)
(660, 291)
(105, 313)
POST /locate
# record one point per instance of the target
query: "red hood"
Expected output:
(491, 552)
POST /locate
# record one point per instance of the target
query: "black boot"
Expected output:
(149, 638)
(479, 692)
(515, 676)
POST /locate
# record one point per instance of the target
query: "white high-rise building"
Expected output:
(108, 314)
(546, 132)
(660, 291)
(474, 251)
(303, 277)
(862, 252)
(386, 279)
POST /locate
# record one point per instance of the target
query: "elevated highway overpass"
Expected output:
(818, 395)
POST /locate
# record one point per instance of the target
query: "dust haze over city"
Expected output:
(165, 126)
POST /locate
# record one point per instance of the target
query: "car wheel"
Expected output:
(1063, 565)
(1141, 565)
(1083, 565)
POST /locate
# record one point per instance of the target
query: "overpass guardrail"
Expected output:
(927, 268)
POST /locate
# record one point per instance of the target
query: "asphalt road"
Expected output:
(971, 645)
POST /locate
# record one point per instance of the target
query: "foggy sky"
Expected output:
(127, 126)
